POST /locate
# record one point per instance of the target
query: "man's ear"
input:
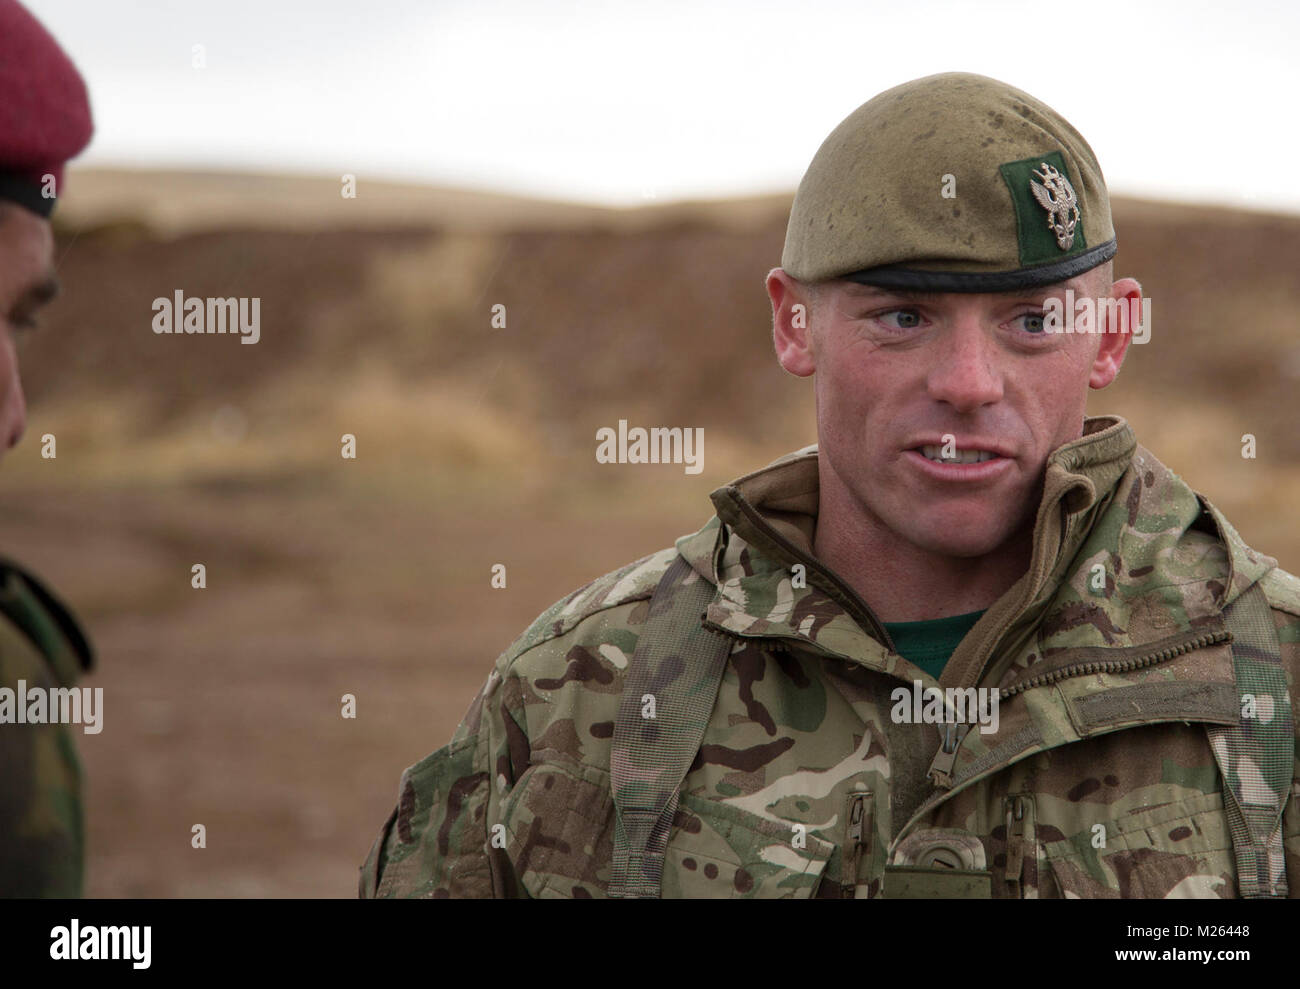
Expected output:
(791, 319)
(1116, 338)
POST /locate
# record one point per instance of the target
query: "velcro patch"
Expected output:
(1049, 224)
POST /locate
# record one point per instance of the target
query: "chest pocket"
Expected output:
(559, 831)
(722, 852)
(1178, 850)
(559, 839)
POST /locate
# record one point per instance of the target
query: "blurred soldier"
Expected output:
(973, 644)
(44, 121)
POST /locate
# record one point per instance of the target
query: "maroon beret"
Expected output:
(44, 111)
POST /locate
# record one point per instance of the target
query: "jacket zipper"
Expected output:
(1119, 665)
(940, 772)
(771, 643)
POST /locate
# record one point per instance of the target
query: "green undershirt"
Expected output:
(928, 644)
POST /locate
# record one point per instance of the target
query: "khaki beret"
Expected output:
(951, 183)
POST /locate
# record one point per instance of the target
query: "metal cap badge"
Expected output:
(1056, 195)
(951, 183)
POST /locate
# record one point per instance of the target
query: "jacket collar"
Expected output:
(1125, 555)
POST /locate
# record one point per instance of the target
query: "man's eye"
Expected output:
(901, 319)
(1033, 322)
(24, 324)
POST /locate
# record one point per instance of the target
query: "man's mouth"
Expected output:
(958, 456)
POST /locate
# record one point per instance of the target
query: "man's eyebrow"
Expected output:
(39, 292)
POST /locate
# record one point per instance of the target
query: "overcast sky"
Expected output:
(622, 102)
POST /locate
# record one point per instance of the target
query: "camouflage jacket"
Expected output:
(1073, 795)
(42, 844)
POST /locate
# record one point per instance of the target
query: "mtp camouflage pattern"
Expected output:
(1099, 781)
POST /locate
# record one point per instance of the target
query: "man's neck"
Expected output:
(903, 582)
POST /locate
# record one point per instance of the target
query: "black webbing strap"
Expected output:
(668, 695)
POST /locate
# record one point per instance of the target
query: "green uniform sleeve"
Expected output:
(42, 841)
(438, 841)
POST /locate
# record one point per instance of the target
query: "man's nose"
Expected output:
(15, 415)
(966, 375)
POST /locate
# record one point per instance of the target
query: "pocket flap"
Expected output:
(1177, 850)
(559, 822)
(719, 851)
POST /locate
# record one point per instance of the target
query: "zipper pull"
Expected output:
(940, 771)
(1015, 843)
(857, 838)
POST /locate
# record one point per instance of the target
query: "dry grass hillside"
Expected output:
(475, 446)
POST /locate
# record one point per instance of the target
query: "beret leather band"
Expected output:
(896, 276)
(22, 190)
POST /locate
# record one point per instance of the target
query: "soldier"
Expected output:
(972, 644)
(44, 121)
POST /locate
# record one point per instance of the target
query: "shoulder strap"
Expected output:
(1257, 755)
(671, 687)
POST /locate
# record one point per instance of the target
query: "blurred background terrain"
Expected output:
(475, 446)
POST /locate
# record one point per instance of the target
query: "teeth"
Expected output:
(961, 457)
